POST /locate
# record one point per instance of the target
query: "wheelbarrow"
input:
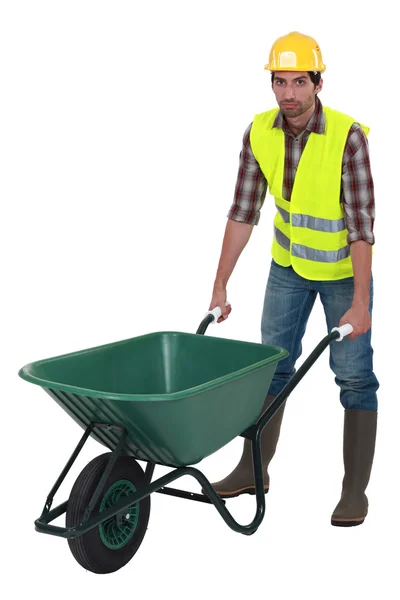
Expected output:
(165, 398)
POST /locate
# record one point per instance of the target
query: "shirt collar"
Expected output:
(316, 124)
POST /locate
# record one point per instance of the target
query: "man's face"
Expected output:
(294, 92)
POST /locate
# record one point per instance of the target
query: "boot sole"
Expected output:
(347, 523)
(249, 490)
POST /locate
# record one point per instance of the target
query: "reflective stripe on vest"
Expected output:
(314, 223)
(326, 256)
(284, 213)
(327, 225)
(282, 239)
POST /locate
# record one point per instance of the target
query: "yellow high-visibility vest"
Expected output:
(309, 231)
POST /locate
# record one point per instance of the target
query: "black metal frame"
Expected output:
(210, 496)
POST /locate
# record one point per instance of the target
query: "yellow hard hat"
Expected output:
(295, 52)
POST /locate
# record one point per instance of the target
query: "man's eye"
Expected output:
(301, 82)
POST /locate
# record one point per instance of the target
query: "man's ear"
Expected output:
(319, 86)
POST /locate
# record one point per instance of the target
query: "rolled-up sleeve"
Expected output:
(358, 188)
(251, 186)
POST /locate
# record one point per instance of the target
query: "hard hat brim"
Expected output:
(321, 69)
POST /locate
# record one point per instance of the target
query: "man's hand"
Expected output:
(359, 317)
(219, 299)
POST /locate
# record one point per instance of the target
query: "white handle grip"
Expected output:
(216, 312)
(343, 330)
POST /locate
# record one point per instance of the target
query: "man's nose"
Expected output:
(289, 94)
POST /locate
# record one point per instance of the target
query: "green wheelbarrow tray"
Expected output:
(167, 398)
(179, 396)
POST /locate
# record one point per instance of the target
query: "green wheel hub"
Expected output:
(116, 532)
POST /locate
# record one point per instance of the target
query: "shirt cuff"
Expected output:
(356, 236)
(244, 217)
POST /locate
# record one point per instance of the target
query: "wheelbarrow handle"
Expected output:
(344, 330)
(336, 334)
(210, 317)
(216, 313)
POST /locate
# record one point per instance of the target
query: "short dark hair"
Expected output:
(315, 77)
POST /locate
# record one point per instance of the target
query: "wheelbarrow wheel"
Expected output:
(111, 545)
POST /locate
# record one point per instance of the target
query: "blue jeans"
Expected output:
(288, 302)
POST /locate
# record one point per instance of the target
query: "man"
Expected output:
(315, 162)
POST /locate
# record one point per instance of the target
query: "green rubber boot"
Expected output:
(358, 453)
(241, 480)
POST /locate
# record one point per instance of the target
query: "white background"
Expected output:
(121, 127)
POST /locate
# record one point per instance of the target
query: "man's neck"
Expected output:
(298, 124)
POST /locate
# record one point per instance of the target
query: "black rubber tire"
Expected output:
(88, 549)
